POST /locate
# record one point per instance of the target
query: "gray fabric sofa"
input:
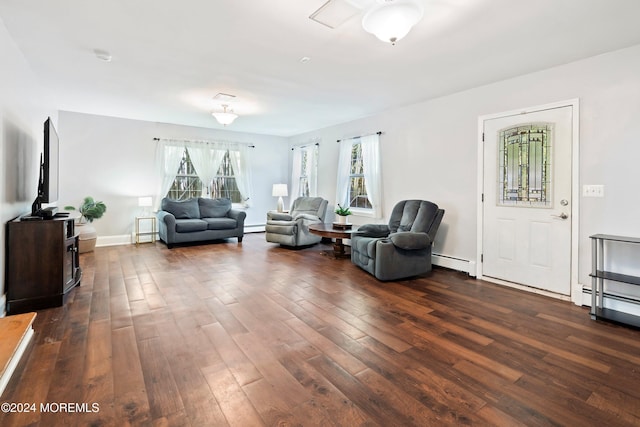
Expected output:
(199, 219)
(403, 247)
(292, 229)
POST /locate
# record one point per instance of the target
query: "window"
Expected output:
(357, 187)
(525, 163)
(359, 179)
(304, 175)
(224, 183)
(197, 175)
(186, 184)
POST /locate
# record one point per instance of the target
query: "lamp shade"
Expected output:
(145, 202)
(392, 20)
(280, 190)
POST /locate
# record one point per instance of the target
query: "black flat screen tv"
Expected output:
(49, 170)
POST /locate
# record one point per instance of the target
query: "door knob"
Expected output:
(561, 216)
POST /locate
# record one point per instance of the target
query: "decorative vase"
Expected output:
(342, 219)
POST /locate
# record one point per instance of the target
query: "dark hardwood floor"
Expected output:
(253, 334)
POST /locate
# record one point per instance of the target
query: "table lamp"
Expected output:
(145, 203)
(279, 191)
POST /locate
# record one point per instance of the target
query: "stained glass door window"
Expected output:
(524, 172)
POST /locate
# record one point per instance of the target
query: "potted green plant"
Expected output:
(90, 210)
(342, 214)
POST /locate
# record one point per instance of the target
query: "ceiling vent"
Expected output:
(334, 13)
(224, 97)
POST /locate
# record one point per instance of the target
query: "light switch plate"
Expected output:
(593, 190)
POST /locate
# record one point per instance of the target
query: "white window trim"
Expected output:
(362, 212)
(343, 181)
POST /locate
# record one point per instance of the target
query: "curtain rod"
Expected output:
(360, 136)
(202, 140)
(303, 146)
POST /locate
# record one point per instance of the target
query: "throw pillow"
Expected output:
(214, 208)
(185, 209)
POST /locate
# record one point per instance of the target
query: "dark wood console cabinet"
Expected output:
(42, 263)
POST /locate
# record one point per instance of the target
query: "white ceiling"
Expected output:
(171, 57)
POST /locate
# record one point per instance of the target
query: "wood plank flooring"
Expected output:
(253, 334)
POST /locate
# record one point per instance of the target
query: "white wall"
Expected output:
(113, 160)
(429, 150)
(23, 110)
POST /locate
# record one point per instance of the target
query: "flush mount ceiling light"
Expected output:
(225, 117)
(391, 20)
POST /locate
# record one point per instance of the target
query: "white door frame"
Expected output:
(576, 289)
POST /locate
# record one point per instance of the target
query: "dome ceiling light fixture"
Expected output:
(225, 117)
(391, 20)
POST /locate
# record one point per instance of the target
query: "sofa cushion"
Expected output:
(220, 223)
(214, 208)
(190, 225)
(186, 209)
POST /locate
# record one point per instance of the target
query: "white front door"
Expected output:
(526, 230)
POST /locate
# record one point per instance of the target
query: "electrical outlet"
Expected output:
(593, 190)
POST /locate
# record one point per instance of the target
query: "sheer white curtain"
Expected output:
(296, 172)
(206, 160)
(344, 166)
(371, 169)
(312, 164)
(240, 157)
(168, 158)
(310, 168)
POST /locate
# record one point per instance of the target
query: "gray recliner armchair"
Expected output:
(403, 247)
(292, 229)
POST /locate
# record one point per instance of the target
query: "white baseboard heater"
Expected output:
(454, 263)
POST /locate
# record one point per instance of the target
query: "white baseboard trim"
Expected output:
(586, 296)
(454, 263)
(527, 288)
(124, 239)
(15, 359)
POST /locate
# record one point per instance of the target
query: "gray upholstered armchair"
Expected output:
(292, 229)
(402, 248)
